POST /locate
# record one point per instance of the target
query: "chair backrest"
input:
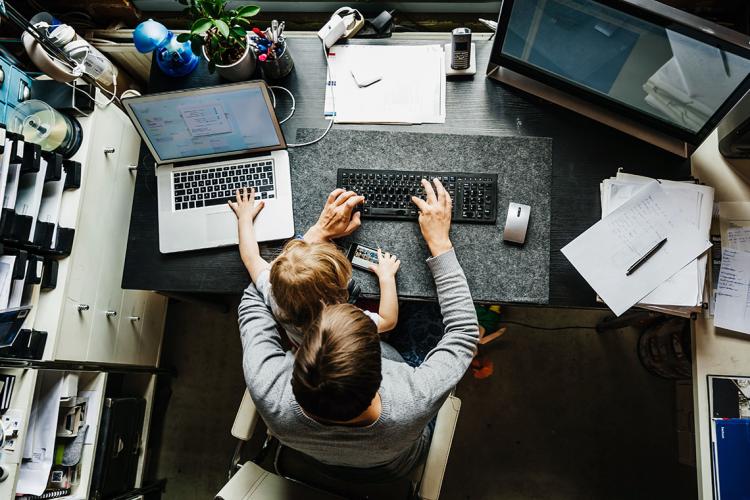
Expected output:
(344, 481)
(252, 482)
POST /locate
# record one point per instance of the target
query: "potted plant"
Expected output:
(221, 34)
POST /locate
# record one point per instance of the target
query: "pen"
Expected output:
(275, 30)
(638, 263)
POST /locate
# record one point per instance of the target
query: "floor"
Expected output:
(567, 414)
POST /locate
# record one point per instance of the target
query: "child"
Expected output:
(306, 277)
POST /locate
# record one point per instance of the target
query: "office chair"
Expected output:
(251, 482)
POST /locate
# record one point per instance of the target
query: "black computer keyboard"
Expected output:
(388, 193)
(208, 186)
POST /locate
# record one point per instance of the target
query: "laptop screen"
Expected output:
(215, 121)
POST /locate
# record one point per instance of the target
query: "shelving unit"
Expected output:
(109, 337)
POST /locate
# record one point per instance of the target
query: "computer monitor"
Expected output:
(641, 66)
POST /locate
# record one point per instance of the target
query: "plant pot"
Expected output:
(239, 70)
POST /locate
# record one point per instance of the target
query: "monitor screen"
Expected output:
(210, 122)
(649, 68)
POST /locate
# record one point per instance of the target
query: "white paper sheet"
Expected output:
(738, 238)
(411, 90)
(30, 189)
(11, 186)
(605, 251)
(733, 292)
(49, 208)
(694, 203)
(40, 440)
(6, 278)
(4, 166)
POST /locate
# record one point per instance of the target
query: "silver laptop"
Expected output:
(207, 143)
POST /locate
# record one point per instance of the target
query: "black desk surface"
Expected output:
(584, 153)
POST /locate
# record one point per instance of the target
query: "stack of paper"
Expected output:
(638, 213)
(683, 293)
(732, 310)
(409, 86)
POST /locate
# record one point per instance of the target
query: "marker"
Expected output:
(262, 58)
(638, 263)
(258, 32)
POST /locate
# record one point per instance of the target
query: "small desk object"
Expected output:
(583, 152)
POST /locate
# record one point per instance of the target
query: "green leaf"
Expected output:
(248, 10)
(242, 20)
(200, 26)
(183, 37)
(222, 26)
(239, 33)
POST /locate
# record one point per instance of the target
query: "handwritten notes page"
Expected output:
(606, 250)
(733, 291)
(738, 238)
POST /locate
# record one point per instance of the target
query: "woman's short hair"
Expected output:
(337, 369)
(305, 278)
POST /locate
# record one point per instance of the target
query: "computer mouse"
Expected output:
(516, 223)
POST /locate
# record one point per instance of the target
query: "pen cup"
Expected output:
(279, 67)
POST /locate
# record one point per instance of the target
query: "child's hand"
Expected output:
(245, 207)
(387, 265)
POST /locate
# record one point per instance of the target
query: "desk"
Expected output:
(584, 153)
(715, 352)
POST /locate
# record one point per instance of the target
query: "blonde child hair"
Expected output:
(305, 278)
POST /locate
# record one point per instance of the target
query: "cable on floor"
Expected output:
(547, 328)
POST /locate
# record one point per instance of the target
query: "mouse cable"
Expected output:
(329, 79)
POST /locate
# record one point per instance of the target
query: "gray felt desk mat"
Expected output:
(496, 272)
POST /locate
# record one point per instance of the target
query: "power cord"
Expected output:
(329, 79)
(572, 327)
(291, 96)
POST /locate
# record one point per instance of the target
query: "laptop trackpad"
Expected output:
(221, 226)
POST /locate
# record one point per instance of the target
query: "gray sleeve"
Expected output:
(264, 361)
(444, 365)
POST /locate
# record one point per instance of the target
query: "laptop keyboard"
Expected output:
(205, 187)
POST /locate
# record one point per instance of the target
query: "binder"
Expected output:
(43, 235)
(29, 344)
(54, 166)
(731, 451)
(49, 274)
(17, 147)
(118, 448)
(34, 270)
(11, 321)
(32, 154)
(72, 174)
(63, 242)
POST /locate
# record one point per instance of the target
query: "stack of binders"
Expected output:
(32, 183)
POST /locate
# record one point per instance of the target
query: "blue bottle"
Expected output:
(173, 58)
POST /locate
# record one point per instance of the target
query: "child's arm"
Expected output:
(386, 269)
(246, 210)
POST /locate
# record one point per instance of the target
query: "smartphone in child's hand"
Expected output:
(362, 257)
